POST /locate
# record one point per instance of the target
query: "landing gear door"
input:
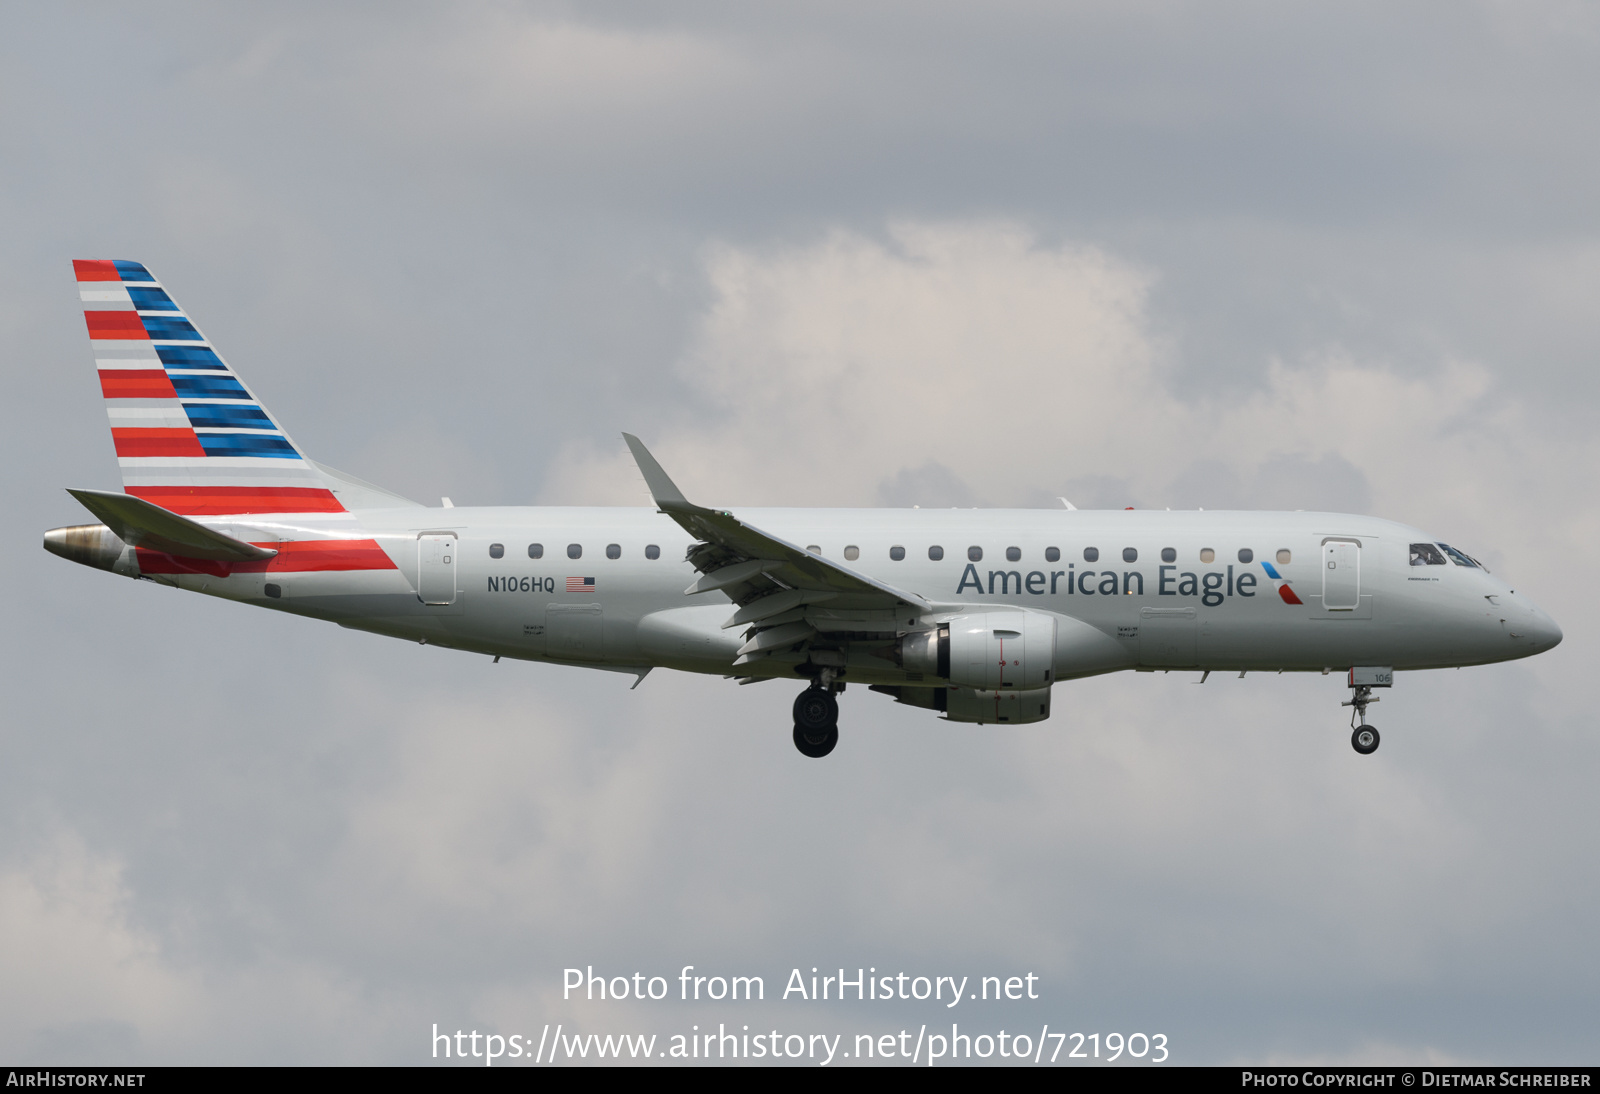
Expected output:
(1167, 637)
(574, 632)
(1341, 575)
(436, 568)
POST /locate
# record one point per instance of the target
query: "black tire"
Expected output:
(1364, 740)
(816, 743)
(815, 709)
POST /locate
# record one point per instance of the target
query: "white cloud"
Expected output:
(71, 959)
(831, 367)
(836, 371)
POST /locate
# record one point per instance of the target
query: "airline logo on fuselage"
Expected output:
(1211, 586)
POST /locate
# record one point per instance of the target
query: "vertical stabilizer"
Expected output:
(190, 436)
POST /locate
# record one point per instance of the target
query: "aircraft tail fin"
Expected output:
(190, 435)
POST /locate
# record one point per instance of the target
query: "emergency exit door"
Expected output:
(1341, 575)
(436, 569)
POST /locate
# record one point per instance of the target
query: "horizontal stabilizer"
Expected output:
(142, 524)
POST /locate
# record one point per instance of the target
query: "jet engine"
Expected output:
(992, 651)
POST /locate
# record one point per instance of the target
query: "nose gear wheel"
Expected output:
(1363, 738)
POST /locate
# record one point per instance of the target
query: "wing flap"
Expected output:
(774, 637)
(779, 603)
(729, 576)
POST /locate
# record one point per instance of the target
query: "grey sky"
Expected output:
(1224, 255)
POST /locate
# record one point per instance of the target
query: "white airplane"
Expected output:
(975, 614)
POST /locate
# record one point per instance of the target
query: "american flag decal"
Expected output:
(580, 584)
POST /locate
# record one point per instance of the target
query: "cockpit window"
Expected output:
(1458, 557)
(1426, 554)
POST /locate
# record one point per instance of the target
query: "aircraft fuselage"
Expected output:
(1116, 610)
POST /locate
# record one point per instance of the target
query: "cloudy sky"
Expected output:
(1222, 255)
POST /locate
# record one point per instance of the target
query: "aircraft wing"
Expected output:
(785, 593)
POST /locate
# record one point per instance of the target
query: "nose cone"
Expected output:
(1543, 631)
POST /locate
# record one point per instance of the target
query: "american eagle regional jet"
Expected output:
(975, 614)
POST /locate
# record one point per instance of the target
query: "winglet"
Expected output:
(662, 488)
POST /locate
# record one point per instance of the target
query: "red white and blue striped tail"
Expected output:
(190, 436)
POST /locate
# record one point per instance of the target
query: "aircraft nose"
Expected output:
(1544, 631)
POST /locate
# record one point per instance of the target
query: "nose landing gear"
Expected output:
(816, 718)
(1363, 738)
(1363, 678)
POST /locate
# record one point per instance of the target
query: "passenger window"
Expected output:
(1091, 554)
(897, 554)
(1207, 555)
(613, 550)
(1246, 555)
(974, 554)
(497, 550)
(535, 550)
(652, 551)
(814, 549)
(935, 553)
(1013, 554)
(1284, 556)
(1130, 554)
(852, 553)
(574, 550)
(1169, 554)
(1458, 557)
(1426, 554)
(1052, 554)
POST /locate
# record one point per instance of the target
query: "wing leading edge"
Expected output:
(786, 595)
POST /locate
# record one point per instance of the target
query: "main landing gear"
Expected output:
(1363, 738)
(816, 719)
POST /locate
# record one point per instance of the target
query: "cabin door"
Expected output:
(436, 568)
(1341, 575)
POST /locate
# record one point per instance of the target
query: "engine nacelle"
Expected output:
(983, 706)
(991, 651)
(988, 707)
